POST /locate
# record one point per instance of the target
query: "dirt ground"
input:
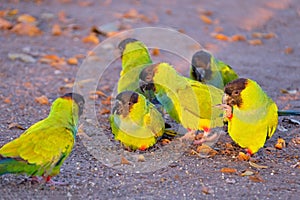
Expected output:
(267, 51)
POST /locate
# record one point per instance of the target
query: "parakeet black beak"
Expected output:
(200, 74)
(117, 107)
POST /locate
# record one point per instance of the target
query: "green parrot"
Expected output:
(135, 122)
(42, 148)
(207, 69)
(188, 102)
(135, 57)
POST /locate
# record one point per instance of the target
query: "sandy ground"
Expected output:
(274, 64)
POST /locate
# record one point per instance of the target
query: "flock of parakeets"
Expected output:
(213, 94)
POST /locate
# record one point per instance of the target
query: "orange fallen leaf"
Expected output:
(104, 111)
(91, 38)
(72, 61)
(243, 157)
(257, 35)
(62, 16)
(49, 58)
(132, 13)
(220, 36)
(26, 29)
(269, 35)
(205, 19)
(93, 97)
(15, 125)
(256, 178)
(288, 50)
(100, 93)
(257, 165)
(255, 42)
(4, 24)
(42, 100)
(165, 141)
(7, 100)
(280, 143)
(124, 161)
(228, 170)
(238, 37)
(25, 18)
(205, 190)
(205, 150)
(155, 52)
(56, 30)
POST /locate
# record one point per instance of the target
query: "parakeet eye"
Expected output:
(236, 92)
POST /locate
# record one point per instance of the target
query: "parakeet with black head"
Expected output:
(135, 122)
(135, 56)
(251, 113)
(188, 102)
(42, 148)
(207, 69)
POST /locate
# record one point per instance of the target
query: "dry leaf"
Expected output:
(165, 141)
(92, 38)
(269, 35)
(26, 29)
(205, 19)
(132, 13)
(280, 144)
(11, 13)
(205, 190)
(42, 100)
(141, 158)
(238, 37)
(206, 150)
(257, 165)
(62, 16)
(255, 42)
(256, 178)
(247, 173)
(124, 161)
(288, 50)
(104, 111)
(25, 18)
(72, 61)
(7, 100)
(257, 35)
(4, 24)
(56, 30)
(220, 36)
(15, 125)
(100, 93)
(228, 170)
(93, 97)
(243, 157)
(49, 58)
(155, 52)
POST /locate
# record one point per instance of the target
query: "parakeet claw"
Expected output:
(190, 135)
(227, 109)
(207, 138)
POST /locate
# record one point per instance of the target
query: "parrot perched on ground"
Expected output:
(42, 148)
(188, 102)
(252, 115)
(207, 69)
(135, 57)
(135, 122)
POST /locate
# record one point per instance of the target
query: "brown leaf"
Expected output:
(42, 100)
(124, 161)
(255, 42)
(280, 143)
(4, 24)
(220, 36)
(141, 158)
(100, 93)
(228, 170)
(91, 38)
(243, 157)
(50, 58)
(205, 190)
(56, 30)
(25, 18)
(238, 37)
(257, 165)
(62, 16)
(132, 13)
(15, 125)
(104, 111)
(288, 50)
(26, 29)
(256, 178)
(269, 35)
(7, 100)
(72, 61)
(206, 150)
(205, 19)
(247, 173)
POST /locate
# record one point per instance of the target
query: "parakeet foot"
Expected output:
(190, 135)
(207, 138)
(49, 181)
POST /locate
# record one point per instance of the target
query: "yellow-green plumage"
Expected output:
(135, 57)
(135, 122)
(254, 115)
(207, 69)
(42, 149)
(188, 102)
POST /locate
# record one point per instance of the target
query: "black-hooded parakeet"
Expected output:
(208, 69)
(42, 148)
(135, 121)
